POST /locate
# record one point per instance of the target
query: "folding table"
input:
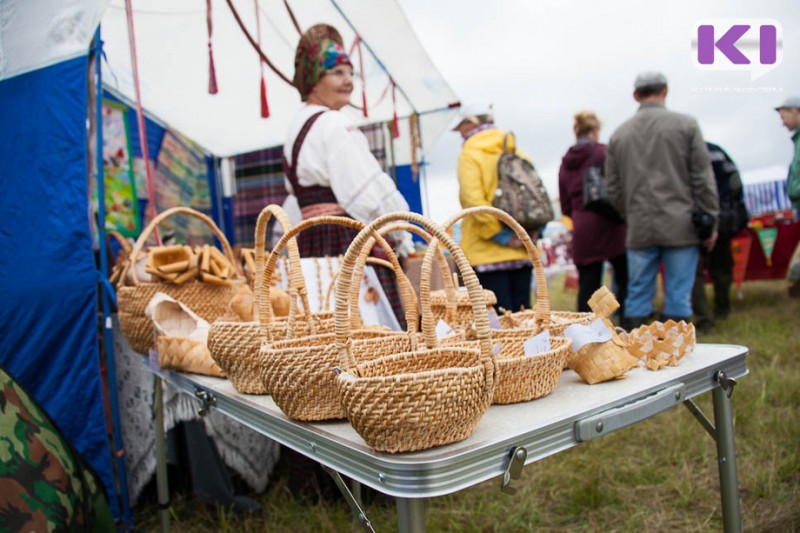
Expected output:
(507, 438)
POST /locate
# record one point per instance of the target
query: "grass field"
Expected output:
(659, 475)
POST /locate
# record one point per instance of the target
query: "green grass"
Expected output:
(659, 475)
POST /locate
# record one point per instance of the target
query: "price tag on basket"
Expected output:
(538, 343)
(581, 335)
(444, 330)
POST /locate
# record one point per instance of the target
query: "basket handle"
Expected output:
(266, 317)
(296, 280)
(407, 293)
(541, 310)
(341, 322)
(429, 333)
(161, 217)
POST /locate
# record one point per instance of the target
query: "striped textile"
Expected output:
(259, 182)
(766, 197)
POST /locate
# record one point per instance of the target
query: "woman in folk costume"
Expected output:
(327, 161)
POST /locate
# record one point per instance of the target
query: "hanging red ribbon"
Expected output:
(363, 81)
(212, 73)
(264, 104)
(148, 169)
(395, 123)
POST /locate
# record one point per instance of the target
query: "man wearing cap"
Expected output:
(790, 116)
(497, 255)
(658, 173)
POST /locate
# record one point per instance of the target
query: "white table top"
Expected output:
(543, 427)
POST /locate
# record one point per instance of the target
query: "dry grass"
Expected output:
(660, 475)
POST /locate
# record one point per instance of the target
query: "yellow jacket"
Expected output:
(477, 181)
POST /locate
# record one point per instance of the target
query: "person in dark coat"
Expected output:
(595, 238)
(733, 218)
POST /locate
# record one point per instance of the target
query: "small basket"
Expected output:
(235, 344)
(208, 300)
(180, 337)
(596, 362)
(559, 320)
(662, 343)
(298, 372)
(420, 398)
(522, 377)
(186, 355)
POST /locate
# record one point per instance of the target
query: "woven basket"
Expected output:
(523, 377)
(298, 372)
(186, 355)
(559, 320)
(235, 344)
(601, 361)
(661, 344)
(209, 301)
(421, 398)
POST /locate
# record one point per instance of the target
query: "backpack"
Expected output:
(520, 191)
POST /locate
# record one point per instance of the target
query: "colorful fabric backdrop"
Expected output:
(122, 213)
(259, 182)
(181, 179)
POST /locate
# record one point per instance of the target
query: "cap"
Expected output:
(649, 79)
(790, 102)
(470, 113)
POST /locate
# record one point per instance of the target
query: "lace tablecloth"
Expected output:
(248, 453)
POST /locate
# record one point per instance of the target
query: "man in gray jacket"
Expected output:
(658, 172)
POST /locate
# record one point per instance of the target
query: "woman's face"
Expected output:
(334, 88)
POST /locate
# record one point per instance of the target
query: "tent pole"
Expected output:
(119, 449)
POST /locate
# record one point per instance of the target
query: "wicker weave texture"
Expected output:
(422, 398)
(209, 301)
(186, 355)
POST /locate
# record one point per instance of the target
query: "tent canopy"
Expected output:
(173, 56)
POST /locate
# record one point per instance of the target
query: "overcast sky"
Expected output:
(539, 61)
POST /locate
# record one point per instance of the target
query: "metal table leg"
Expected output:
(726, 455)
(411, 515)
(161, 458)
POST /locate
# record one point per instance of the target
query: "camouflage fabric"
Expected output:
(44, 484)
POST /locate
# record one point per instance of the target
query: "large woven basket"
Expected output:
(522, 377)
(208, 300)
(298, 372)
(420, 398)
(234, 344)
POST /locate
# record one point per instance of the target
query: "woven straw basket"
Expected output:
(234, 344)
(602, 361)
(523, 377)
(298, 372)
(420, 398)
(208, 300)
(661, 344)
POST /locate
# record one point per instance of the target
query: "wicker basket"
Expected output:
(235, 344)
(596, 362)
(662, 344)
(208, 300)
(181, 337)
(522, 377)
(421, 398)
(298, 372)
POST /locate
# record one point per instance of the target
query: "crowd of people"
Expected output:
(673, 201)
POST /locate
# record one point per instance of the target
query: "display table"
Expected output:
(507, 437)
